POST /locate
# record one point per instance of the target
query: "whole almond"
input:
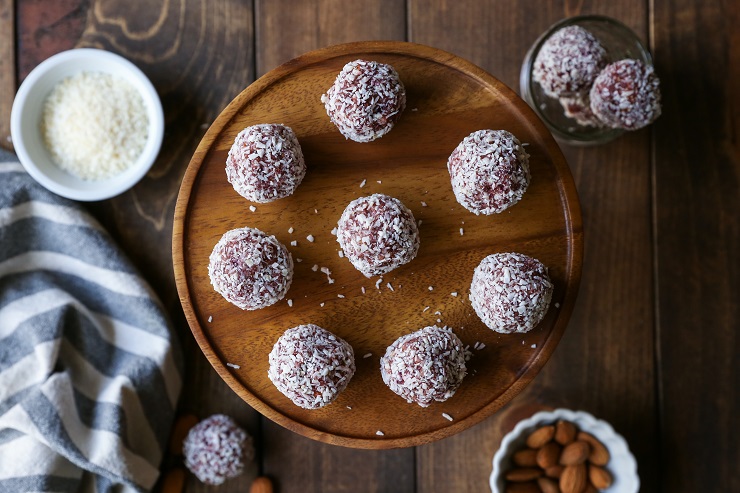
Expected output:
(522, 488)
(548, 485)
(522, 474)
(575, 453)
(525, 458)
(599, 477)
(262, 484)
(548, 455)
(565, 432)
(554, 471)
(599, 454)
(541, 436)
(573, 479)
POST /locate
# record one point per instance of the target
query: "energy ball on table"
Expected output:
(626, 94)
(217, 449)
(579, 109)
(568, 62)
(511, 292)
(311, 366)
(250, 269)
(489, 171)
(377, 234)
(366, 100)
(265, 163)
(425, 366)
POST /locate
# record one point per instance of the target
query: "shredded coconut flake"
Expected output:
(252, 208)
(447, 416)
(367, 355)
(310, 238)
(390, 286)
(293, 243)
(290, 230)
(379, 433)
(454, 294)
(232, 365)
(210, 318)
(290, 303)
(363, 183)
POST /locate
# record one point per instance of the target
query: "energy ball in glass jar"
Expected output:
(569, 62)
(626, 94)
(366, 100)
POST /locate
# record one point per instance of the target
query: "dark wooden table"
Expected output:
(653, 343)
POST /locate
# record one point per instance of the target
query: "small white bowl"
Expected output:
(622, 464)
(25, 119)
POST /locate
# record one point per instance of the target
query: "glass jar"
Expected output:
(619, 41)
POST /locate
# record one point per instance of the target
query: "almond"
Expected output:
(541, 436)
(261, 484)
(180, 431)
(599, 477)
(548, 455)
(522, 488)
(573, 479)
(599, 454)
(565, 432)
(525, 458)
(575, 453)
(548, 485)
(554, 471)
(523, 474)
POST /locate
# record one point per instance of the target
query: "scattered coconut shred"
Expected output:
(94, 125)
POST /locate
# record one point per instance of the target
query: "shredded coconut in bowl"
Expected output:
(94, 125)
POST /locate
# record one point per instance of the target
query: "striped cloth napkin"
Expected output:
(90, 371)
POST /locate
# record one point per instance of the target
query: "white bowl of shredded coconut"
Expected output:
(87, 124)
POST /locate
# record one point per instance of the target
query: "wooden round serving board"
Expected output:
(448, 98)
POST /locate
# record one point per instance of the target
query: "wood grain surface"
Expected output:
(652, 344)
(447, 99)
(7, 69)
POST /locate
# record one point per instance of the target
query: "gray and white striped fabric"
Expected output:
(89, 368)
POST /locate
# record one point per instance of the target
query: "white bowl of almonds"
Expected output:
(87, 124)
(564, 451)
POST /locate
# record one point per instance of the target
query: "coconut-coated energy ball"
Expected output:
(265, 163)
(378, 234)
(250, 268)
(626, 94)
(489, 171)
(217, 449)
(511, 292)
(425, 366)
(568, 62)
(311, 366)
(579, 108)
(366, 100)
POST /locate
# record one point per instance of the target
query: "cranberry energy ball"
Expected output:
(626, 94)
(568, 62)
(511, 292)
(489, 170)
(366, 100)
(425, 366)
(378, 233)
(265, 163)
(217, 449)
(250, 269)
(311, 366)
(579, 108)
